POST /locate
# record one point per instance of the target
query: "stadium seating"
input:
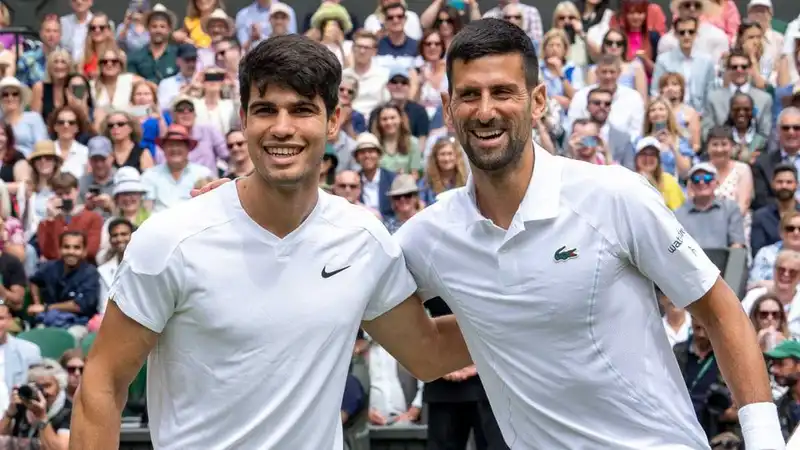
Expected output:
(52, 341)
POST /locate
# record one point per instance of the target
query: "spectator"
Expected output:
(158, 60)
(64, 292)
(31, 66)
(784, 365)
(400, 87)
(12, 242)
(748, 139)
(375, 180)
(75, 27)
(72, 361)
(786, 276)
(50, 92)
(211, 148)
(144, 101)
(447, 20)
(761, 12)
(714, 222)
(132, 33)
(724, 15)
(764, 261)
(45, 418)
(219, 27)
(65, 125)
(648, 164)
(401, 153)
(129, 197)
(672, 87)
(239, 163)
(372, 77)
(327, 170)
(12, 275)
(677, 321)
(170, 182)
(562, 77)
(718, 101)
(766, 228)
(183, 81)
(618, 141)
(332, 22)
(387, 400)
(119, 230)
(65, 213)
(113, 86)
(99, 180)
(353, 122)
(198, 14)
(396, 48)
(445, 170)
(34, 196)
(788, 146)
(125, 133)
(585, 144)
(432, 79)
(376, 22)
(735, 177)
(28, 126)
(19, 355)
(211, 108)
(79, 96)
(15, 169)
(253, 22)
(697, 69)
(532, 19)
(710, 40)
(404, 195)
(769, 320)
(750, 38)
(659, 122)
(348, 185)
(101, 37)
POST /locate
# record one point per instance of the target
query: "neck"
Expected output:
(791, 151)
(157, 48)
(703, 202)
(265, 3)
(212, 99)
(499, 193)
(687, 52)
(260, 200)
(13, 115)
(123, 146)
(243, 167)
(787, 205)
(702, 350)
(362, 68)
(742, 129)
(403, 216)
(784, 293)
(448, 177)
(3, 338)
(69, 269)
(397, 38)
(82, 16)
(588, 8)
(130, 215)
(65, 143)
(589, 159)
(370, 174)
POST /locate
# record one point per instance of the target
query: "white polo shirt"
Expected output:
(255, 342)
(559, 312)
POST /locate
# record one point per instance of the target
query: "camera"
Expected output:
(67, 205)
(94, 189)
(28, 392)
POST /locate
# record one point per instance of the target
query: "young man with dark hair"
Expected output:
(767, 219)
(247, 299)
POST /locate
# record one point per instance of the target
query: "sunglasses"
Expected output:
(570, 18)
(402, 81)
(184, 109)
(791, 228)
(687, 32)
(396, 17)
(600, 103)
(613, 43)
(12, 94)
(692, 5)
(109, 62)
(347, 91)
(445, 20)
(705, 178)
(403, 197)
(75, 369)
(433, 44)
(769, 314)
(739, 66)
(364, 47)
(237, 144)
(348, 186)
(97, 27)
(66, 122)
(112, 125)
(790, 127)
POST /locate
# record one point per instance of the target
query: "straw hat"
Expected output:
(161, 10)
(25, 91)
(44, 148)
(403, 184)
(332, 11)
(218, 15)
(366, 141)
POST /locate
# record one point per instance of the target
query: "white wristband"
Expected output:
(761, 428)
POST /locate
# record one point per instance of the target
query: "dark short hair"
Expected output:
(608, 60)
(71, 233)
(489, 37)
(117, 221)
(64, 181)
(295, 62)
(735, 53)
(783, 167)
(720, 132)
(599, 90)
(679, 20)
(393, 5)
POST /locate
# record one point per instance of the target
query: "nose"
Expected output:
(282, 128)
(485, 108)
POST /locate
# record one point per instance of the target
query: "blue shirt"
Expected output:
(255, 14)
(81, 285)
(390, 55)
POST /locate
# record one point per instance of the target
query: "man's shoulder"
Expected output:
(763, 212)
(444, 213)
(26, 347)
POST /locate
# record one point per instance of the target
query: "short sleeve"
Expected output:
(657, 244)
(147, 284)
(416, 257)
(394, 283)
(735, 225)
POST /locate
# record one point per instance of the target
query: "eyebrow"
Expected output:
(302, 102)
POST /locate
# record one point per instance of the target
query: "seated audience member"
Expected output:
(446, 169)
(677, 321)
(95, 186)
(783, 287)
(784, 366)
(618, 141)
(64, 292)
(713, 222)
(64, 213)
(786, 150)
(585, 143)
(769, 319)
(239, 163)
(766, 228)
(375, 180)
(648, 164)
(399, 87)
(44, 418)
(348, 185)
(210, 148)
(72, 361)
(764, 261)
(171, 182)
(387, 400)
(18, 354)
(12, 280)
(120, 231)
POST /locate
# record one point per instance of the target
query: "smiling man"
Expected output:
(248, 299)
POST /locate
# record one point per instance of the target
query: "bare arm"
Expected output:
(735, 344)
(114, 360)
(428, 348)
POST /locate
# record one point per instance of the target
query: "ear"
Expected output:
(242, 118)
(538, 102)
(334, 123)
(448, 118)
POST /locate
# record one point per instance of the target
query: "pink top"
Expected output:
(14, 233)
(634, 43)
(728, 21)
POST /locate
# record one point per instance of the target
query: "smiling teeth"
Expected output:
(283, 151)
(488, 134)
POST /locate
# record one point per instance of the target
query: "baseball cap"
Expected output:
(99, 146)
(784, 350)
(278, 7)
(647, 142)
(703, 167)
(187, 51)
(398, 72)
(767, 3)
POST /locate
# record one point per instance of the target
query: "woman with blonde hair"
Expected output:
(659, 122)
(562, 77)
(51, 92)
(100, 36)
(445, 170)
(672, 86)
(401, 150)
(34, 196)
(566, 17)
(144, 94)
(112, 88)
(125, 134)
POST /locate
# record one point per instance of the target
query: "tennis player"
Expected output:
(248, 299)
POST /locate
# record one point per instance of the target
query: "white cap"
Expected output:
(649, 141)
(767, 3)
(703, 167)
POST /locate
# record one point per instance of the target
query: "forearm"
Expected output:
(51, 440)
(5, 425)
(96, 417)
(66, 306)
(453, 352)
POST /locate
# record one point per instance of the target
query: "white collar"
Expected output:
(745, 88)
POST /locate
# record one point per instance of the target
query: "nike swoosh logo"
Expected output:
(326, 274)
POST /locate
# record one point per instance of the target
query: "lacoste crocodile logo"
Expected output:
(563, 254)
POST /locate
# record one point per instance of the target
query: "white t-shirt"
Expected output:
(255, 343)
(559, 311)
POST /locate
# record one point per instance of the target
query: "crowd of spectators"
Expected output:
(105, 123)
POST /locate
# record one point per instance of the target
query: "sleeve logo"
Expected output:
(678, 241)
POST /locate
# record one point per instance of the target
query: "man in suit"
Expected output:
(19, 356)
(718, 102)
(788, 132)
(375, 181)
(619, 142)
(697, 69)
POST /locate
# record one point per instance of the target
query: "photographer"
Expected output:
(585, 143)
(712, 400)
(40, 410)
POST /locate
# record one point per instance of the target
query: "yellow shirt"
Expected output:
(196, 33)
(671, 191)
